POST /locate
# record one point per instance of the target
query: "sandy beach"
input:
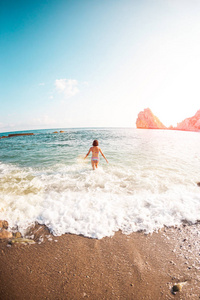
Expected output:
(136, 266)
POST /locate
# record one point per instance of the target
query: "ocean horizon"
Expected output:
(41, 130)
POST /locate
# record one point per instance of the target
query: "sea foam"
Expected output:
(95, 203)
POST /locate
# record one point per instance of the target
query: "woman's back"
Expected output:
(95, 151)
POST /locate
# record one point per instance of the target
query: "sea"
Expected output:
(150, 180)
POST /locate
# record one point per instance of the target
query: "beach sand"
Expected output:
(135, 266)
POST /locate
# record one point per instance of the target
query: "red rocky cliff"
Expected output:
(147, 120)
(190, 124)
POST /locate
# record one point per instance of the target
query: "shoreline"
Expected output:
(135, 266)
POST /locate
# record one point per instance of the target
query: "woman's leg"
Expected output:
(93, 164)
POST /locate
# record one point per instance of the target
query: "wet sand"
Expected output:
(136, 266)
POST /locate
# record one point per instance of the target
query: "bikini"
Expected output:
(96, 159)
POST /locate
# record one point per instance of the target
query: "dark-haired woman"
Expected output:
(95, 154)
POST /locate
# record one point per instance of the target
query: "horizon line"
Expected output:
(62, 128)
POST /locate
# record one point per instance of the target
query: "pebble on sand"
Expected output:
(178, 287)
(17, 235)
(3, 224)
(22, 240)
(5, 234)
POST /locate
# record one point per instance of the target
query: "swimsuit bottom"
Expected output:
(95, 159)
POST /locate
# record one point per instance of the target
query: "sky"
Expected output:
(97, 63)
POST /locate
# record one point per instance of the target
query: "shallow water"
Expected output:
(150, 180)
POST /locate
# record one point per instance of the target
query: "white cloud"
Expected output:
(68, 87)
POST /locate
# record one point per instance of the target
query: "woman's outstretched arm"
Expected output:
(87, 153)
(103, 155)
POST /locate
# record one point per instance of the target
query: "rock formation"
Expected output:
(190, 124)
(147, 120)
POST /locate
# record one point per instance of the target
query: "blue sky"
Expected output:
(90, 63)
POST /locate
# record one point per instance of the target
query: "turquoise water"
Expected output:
(150, 180)
(47, 148)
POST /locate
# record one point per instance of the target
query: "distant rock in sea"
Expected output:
(147, 120)
(20, 134)
(16, 134)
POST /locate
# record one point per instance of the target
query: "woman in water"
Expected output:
(95, 154)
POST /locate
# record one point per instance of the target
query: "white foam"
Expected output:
(76, 199)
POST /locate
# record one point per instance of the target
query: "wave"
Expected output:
(75, 199)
